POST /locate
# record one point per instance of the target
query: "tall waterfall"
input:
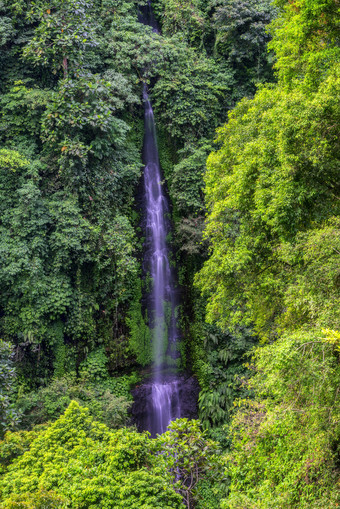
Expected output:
(164, 405)
(167, 394)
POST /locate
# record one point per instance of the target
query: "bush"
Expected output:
(285, 443)
(77, 462)
(49, 402)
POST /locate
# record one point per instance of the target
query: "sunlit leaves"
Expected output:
(82, 462)
(306, 41)
(274, 176)
(284, 451)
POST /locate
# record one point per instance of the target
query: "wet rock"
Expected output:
(143, 411)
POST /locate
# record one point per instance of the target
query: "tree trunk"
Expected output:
(65, 67)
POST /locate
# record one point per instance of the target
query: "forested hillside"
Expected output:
(246, 102)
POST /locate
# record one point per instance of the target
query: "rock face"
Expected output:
(187, 394)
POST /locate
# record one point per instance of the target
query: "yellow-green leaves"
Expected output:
(284, 443)
(77, 462)
(306, 41)
(332, 337)
(274, 176)
(12, 160)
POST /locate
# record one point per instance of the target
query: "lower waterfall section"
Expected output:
(155, 405)
(165, 405)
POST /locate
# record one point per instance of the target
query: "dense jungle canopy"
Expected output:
(246, 100)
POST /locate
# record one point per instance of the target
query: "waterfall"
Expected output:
(167, 394)
(164, 405)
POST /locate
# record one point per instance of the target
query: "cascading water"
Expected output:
(164, 405)
(166, 394)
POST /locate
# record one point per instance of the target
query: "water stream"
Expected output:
(164, 405)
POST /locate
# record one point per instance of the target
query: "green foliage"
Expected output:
(14, 444)
(190, 234)
(242, 38)
(94, 367)
(107, 398)
(6, 30)
(20, 117)
(140, 333)
(70, 135)
(11, 160)
(68, 264)
(186, 184)
(285, 443)
(274, 176)
(313, 294)
(87, 465)
(184, 18)
(34, 294)
(219, 362)
(188, 97)
(121, 385)
(81, 463)
(306, 41)
(64, 31)
(86, 104)
(9, 416)
(39, 500)
(190, 456)
(68, 171)
(273, 225)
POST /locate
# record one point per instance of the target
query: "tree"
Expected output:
(285, 442)
(65, 31)
(242, 38)
(274, 176)
(86, 465)
(187, 19)
(305, 41)
(189, 456)
(190, 96)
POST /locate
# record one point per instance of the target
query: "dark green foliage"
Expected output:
(140, 334)
(189, 97)
(187, 19)
(67, 178)
(186, 183)
(48, 403)
(80, 128)
(64, 31)
(241, 37)
(9, 415)
(107, 398)
(220, 361)
(20, 117)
